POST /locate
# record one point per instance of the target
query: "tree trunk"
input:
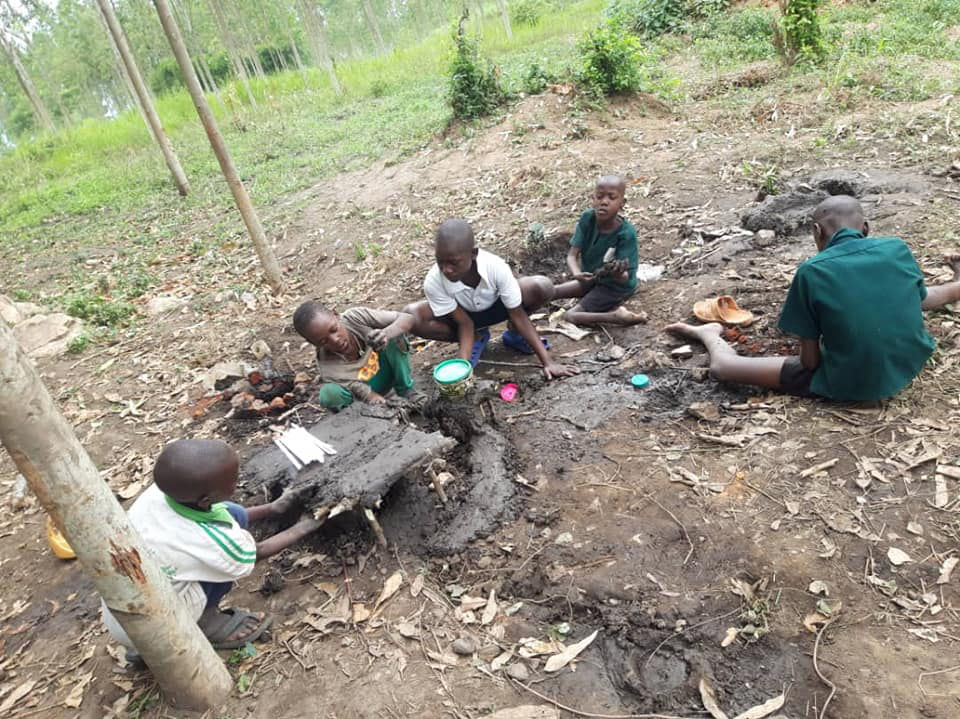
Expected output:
(279, 61)
(63, 477)
(295, 50)
(505, 16)
(39, 109)
(119, 41)
(226, 37)
(374, 26)
(267, 259)
(205, 69)
(318, 40)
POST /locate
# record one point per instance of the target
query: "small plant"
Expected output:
(359, 251)
(239, 656)
(98, 309)
(21, 295)
(379, 88)
(650, 18)
(797, 36)
(611, 60)
(78, 344)
(475, 89)
(527, 12)
(535, 79)
(375, 249)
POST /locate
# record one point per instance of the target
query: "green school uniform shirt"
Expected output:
(594, 245)
(861, 298)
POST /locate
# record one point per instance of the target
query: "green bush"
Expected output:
(475, 89)
(742, 36)
(98, 309)
(649, 18)
(611, 60)
(797, 36)
(535, 79)
(527, 12)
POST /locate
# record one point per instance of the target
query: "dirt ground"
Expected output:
(756, 544)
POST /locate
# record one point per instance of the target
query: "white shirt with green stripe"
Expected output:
(191, 546)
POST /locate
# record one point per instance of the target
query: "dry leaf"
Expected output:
(445, 658)
(323, 624)
(416, 586)
(530, 647)
(16, 695)
(360, 613)
(813, 620)
(309, 559)
(947, 471)
(489, 611)
(390, 588)
(119, 655)
(75, 697)
(829, 548)
(131, 490)
(818, 587)
(940, 496)
(947, 570)
(709, 699)
(559, 661)
(408, 630)
(765, 709)
(468, 603)
(898, 556)
(730, 637)
(915, 528)
(792, 506)
(500, 661)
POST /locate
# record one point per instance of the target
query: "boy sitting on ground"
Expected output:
(361, 353)
(201, 540)
(603, 260)
(470, 289)
(857, 307)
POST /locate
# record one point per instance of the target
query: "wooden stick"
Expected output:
(816, 668)
(437, 485)
(590, 715)
(810, 471)
(375, 527)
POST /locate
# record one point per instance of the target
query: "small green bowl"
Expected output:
(453, 377)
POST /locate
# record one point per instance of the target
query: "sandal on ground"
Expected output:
(722, 309)
(479, 345)
(515, 341)
(220, 624)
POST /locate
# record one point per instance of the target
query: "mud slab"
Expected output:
(373, 452)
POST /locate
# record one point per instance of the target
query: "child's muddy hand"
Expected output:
(375, 398)
(287, 501)
(378, 339)
(555, 370)
(584, 277)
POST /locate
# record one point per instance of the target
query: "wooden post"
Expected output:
(267, 259)
(119, 41)
(63, 477)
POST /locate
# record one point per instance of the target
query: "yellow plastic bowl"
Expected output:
(58, 545)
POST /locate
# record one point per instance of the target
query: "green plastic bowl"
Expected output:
(453, 377)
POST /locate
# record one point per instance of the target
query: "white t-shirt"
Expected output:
(190, 546)
(496, 282)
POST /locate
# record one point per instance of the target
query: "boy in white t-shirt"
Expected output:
(201, 540)
(469, 289)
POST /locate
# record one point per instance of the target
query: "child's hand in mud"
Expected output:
(375, 398)
(555, 370)
(288, 500)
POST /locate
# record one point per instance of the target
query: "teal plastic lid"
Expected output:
(452, 371)
(639, 381)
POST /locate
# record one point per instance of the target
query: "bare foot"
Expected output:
(953, 260)
(626, 317)
(701, 333)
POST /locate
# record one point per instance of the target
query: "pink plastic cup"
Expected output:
(508, 392)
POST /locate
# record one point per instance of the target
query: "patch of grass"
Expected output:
(736, 37)
(359, 251)
(97, 309)
(78, 344)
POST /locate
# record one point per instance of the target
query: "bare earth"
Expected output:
(664, 533)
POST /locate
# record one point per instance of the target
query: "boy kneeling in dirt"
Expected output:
(470, 289)
(603, 260)
(857, 307)
(201, 540)
(361, 353)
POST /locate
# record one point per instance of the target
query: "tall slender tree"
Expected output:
(143, 96)
(230, 46)
(251, 219)
(313, 24)
(374, 25)
(9, 47)
(505, 16)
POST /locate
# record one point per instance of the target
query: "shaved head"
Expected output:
(613, 181)
(197, 471)
(455, 236)
(836, 213)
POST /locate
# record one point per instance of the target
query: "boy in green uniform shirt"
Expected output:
(857, 307)
(603, 260)
(361, 353)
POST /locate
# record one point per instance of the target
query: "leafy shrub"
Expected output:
(611, 60)
(98, 309)
(797, 35)
(742, 36)
(527, 12)
(475, 89)
(78, 344)
(649, 18)
(535, 79)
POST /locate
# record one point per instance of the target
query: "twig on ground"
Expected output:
(497, 363)
(930, 674)
(591, 715)
(816, 668)
(678, 523)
